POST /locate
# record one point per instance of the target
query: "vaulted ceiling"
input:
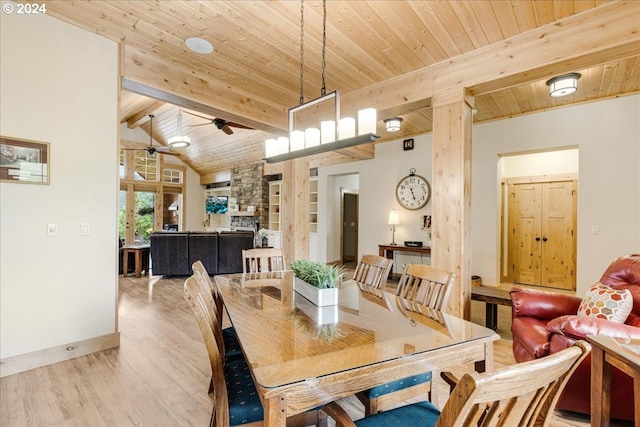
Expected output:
(253, 75)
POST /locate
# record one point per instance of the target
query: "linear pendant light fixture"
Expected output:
(334, 132)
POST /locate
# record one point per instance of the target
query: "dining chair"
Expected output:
(236, 400)
(262, 259)
(372, 270)
(524, 394)
(428, 286)
(231, 349)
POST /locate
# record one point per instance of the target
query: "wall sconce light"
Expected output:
(392, 124)
(563, 85)
(394, 219)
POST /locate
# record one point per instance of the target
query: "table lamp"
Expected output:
(394, 219)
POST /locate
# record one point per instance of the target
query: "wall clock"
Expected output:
(413, 191)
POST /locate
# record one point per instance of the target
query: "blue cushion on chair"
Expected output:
(244, 403)
(422, 414)
(232, 349)
(396, 385)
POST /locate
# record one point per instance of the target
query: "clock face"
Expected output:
(413, 192)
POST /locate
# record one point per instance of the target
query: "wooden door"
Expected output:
(558, 234)
(524, 226)
(541, 226)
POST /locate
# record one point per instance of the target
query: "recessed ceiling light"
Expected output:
(199, 45)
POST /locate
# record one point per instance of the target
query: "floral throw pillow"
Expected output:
(604, 302)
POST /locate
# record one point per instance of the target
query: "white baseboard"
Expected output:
(36, 359)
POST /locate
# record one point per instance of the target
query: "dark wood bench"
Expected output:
(492, 297)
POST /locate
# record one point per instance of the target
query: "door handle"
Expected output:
(537, 238)
(544, 239)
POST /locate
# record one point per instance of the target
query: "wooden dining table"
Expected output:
(302, 356)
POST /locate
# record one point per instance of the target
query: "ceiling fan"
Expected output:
(221, 124)
(151, 149)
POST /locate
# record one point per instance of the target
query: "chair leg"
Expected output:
(322, 419)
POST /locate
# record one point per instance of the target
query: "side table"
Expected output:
(141, 257)
(606, 352)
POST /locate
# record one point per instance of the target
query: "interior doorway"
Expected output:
(542, 232)
(349, 221)
(539, 218)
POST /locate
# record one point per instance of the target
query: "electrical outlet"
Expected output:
(85, 229)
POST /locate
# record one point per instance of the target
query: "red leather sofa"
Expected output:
(544, 323)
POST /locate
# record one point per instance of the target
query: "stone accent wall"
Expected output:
(250, 188)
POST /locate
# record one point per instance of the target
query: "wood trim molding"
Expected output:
(543, 178)
(60, 353)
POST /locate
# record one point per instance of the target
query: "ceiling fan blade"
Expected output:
(226, 129)
(199, 124)
(133, 149)
(238, 125)
(163, 149)
(169, 153)
(198, 115)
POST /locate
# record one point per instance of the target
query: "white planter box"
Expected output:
(324, 315)
(320, 297)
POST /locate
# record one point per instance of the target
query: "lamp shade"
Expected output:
(394, 218)
(392, 124)
(563, 85)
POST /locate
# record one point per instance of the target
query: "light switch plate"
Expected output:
(52, 230)
(85, 229)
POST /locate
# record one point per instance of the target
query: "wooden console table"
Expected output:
(388, 250)
(491, 296)
(141, 256)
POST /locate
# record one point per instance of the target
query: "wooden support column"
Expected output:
(451, 209)
(294, 209)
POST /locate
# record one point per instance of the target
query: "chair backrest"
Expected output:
(258, 260)
(197, 297)
(519, 395)
(199, 269)
(426, 285)
(372, 270)
(213, 314)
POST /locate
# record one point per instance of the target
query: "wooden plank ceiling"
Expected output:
(253, 75)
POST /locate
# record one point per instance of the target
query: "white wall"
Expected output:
(194, 206)
(536, 164)
(607, 137)
(59, 84)
(377, 179)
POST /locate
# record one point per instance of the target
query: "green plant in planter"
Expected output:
(320, 275)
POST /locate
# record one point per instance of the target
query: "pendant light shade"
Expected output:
(563, 85)
(180, 140)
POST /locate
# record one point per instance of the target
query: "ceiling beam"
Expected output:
(143, 116)
(552, 49)
(149, 76)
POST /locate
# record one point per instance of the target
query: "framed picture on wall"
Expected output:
(24, 161)
(426, 223)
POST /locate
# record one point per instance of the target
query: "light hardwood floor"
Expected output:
(158, 377)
